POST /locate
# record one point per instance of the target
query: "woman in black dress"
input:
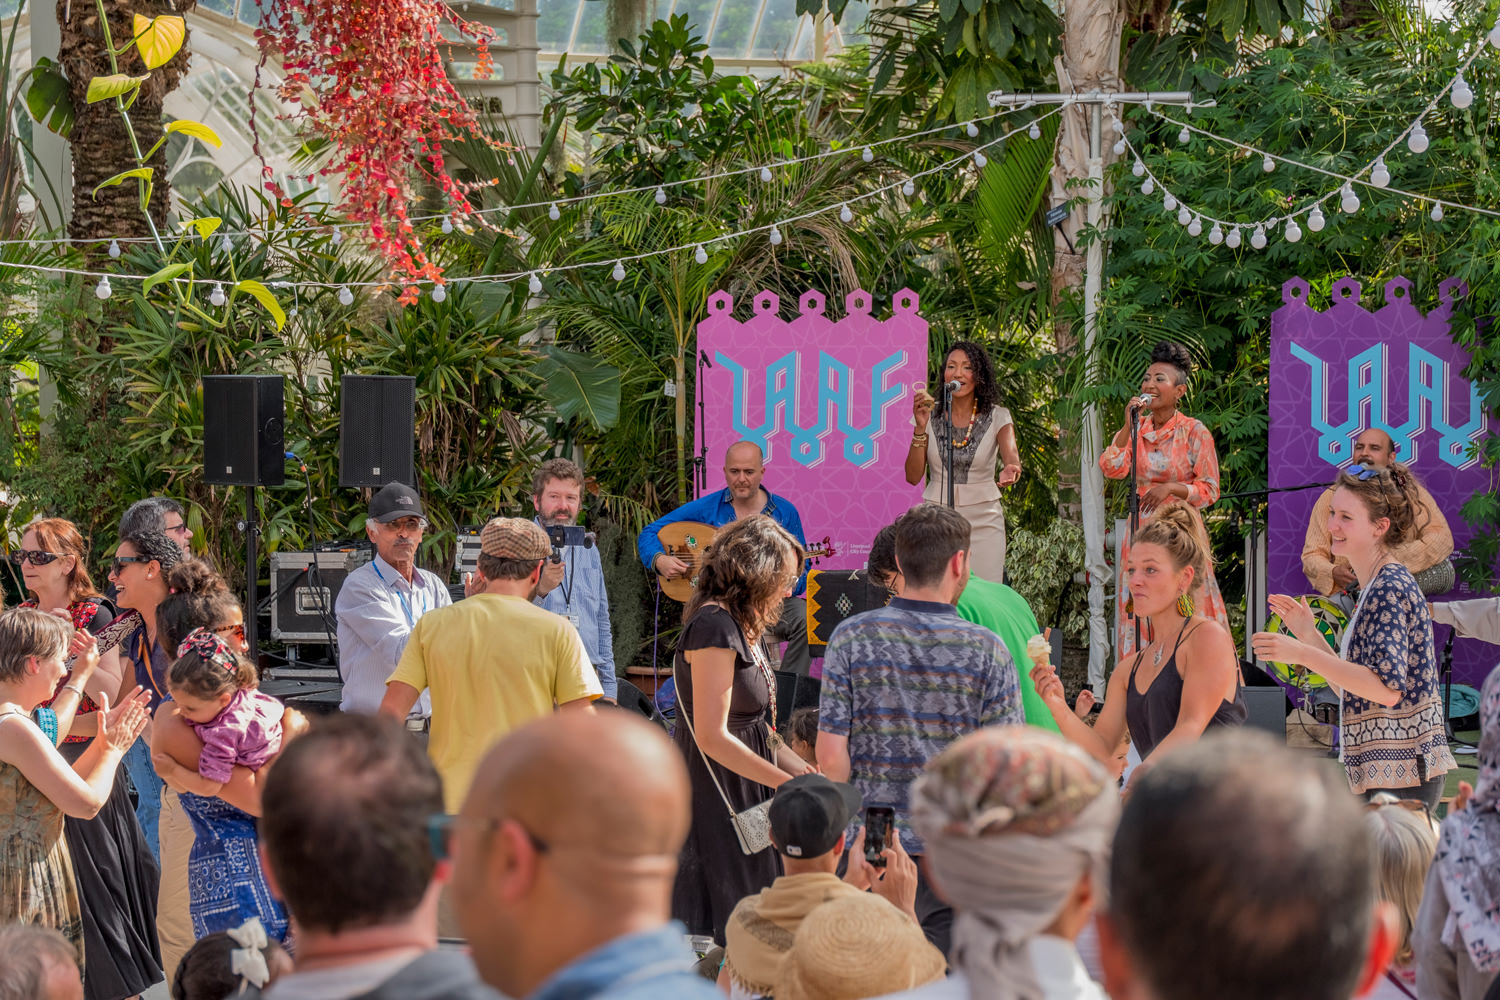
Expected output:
(117, 876)
(724, 690)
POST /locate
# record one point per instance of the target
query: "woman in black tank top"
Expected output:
(1186, 676)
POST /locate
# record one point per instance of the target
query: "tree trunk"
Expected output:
(1090, 60)
(100, 144)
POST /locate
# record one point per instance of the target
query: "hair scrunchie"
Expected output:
(248, 961)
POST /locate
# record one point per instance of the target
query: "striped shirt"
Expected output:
(902, 683)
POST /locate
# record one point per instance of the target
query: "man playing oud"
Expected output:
(744, 467)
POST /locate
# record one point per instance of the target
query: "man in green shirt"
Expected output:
(993, 605)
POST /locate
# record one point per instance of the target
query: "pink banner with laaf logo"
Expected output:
(828, 401)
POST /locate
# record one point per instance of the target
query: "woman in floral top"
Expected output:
(1390, 717)
(1175, 458)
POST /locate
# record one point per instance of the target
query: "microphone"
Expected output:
(952, 386)
(1140, 401)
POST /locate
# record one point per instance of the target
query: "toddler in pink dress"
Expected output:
(215, 692)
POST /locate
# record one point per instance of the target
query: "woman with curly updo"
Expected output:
(982, 434)
(1175, 459)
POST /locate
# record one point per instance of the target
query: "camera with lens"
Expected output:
(564, 535)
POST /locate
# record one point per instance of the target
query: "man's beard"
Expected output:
(557, 519)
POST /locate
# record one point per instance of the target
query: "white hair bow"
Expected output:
(248, 961)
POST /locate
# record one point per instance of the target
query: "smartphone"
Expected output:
(880, 823)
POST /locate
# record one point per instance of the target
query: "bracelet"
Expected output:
(919, 440)
(75, 689)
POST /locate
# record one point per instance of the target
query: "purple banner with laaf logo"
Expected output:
(1356, 364)
(828, 401)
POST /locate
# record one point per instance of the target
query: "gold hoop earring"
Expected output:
(1185, 606)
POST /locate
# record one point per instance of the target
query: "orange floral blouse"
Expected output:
(1182, 451)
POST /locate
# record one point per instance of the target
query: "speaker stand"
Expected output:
(251, 527)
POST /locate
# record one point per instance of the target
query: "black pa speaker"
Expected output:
(243, 430)
(1268, 710)
(377, 430)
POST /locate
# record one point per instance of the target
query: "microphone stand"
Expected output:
(952, 430)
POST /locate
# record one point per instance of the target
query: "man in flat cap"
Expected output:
(494, 660)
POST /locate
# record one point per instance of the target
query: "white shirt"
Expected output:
(338, 983)
(1059, 972)
(377, 609)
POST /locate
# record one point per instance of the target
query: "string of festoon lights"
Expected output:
(700, 250)
(766, 172)
(1374, 174)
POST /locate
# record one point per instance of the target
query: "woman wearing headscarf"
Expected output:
(1018, 824)
(1457, 935)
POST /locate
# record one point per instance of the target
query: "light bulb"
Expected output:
(1494, 36)
(1417, 141)
(346, 297)
(1195, 228)
(1268, 164)
(534, 284)
(1380, 175)
(700, 255)
(619, 272)
(1119, 147)
(553, 213)
(1184, 135)
(972, 130)
(775, 237)
(908, 188)
(1035, 131)
(867, 155)
(447, 225)
(25, 203)
(1437, 212)
(765, 175)
(1148, 186)
(1293, 231)
(1461, 95)
(1139, 169)
(1258, 238)
(845, 215)
(337, 237)
(1169, 202)
(1216, 234)
(439, 293)
(1184, 216)
(1232, 241)
(114, 248)
(216, 297)
(102, 290)
(1119, 126)
(1315, 220)
(1349, 201)
(980, 159)
(226, 244)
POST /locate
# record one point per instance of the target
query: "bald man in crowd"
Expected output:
(38, 963)
(564, 863)
(1431, 544)
(742, 495)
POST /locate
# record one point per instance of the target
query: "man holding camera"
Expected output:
(492, 661)
(572, 583)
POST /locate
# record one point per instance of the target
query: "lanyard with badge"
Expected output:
(405, 604)
(566, 586)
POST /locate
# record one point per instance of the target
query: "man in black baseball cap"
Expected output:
(809, 818)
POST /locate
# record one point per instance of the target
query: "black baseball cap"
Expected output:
(395, 501)
(809, 813)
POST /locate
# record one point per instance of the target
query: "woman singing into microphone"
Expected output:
(982, 433)
(1175, 459)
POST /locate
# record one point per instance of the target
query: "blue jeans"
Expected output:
(148, 792)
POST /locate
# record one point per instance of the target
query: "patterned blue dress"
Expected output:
(226, 886)
(1404, 745)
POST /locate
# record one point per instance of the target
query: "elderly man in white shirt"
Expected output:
(381, 602)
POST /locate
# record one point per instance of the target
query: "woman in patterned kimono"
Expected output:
(982, 435)
(1175, 458)
(1390, 718)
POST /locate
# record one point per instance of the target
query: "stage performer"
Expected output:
(724, 686)
(1425, 553)
(982, 434)
(1182, 682)
(1175, 458)
(1390, 714)
(742, 496)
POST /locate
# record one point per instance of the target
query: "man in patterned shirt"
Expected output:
(902, 682)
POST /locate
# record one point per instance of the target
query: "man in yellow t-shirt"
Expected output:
(494, 660)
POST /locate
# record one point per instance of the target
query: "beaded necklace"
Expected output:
(968, 431)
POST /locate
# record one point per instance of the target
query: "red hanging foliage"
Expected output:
(369, 78)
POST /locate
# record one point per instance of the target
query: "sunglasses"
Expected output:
(34, 556)
(1363, 472)
(120, 562)
(440, 833)
(181, 526)
(238, 631)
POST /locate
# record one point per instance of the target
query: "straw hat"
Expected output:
(856, 946)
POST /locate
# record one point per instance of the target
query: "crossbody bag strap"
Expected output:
(707, 763)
